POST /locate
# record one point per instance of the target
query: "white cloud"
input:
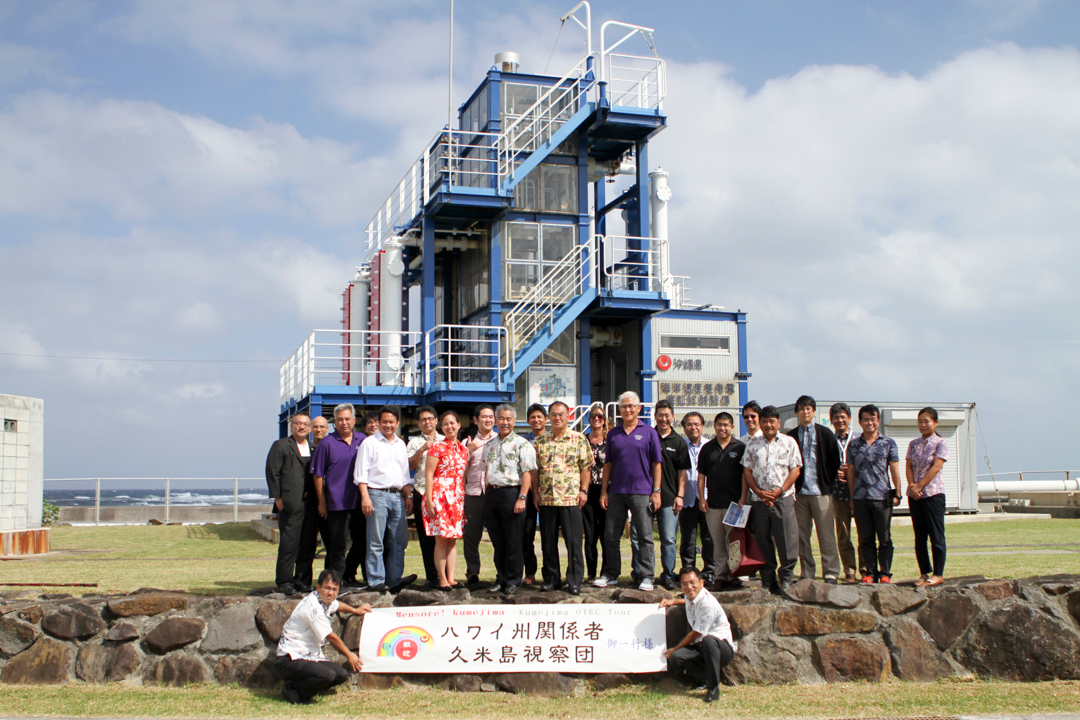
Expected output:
(22, 62)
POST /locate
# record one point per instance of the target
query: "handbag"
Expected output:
(744, 558)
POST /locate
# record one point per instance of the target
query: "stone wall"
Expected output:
(1007, 629)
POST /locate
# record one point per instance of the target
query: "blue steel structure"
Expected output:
(497, 241)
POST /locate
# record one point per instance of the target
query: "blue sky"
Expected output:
(890, 190)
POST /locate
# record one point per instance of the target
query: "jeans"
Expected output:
(668, 525)
(387, 535)
(643, 561)
(873, 518)
(928, 522)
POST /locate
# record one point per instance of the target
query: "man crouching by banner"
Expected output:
(709, 645)
(300, 660)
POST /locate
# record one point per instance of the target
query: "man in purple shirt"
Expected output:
(332, 468)
(630, 483)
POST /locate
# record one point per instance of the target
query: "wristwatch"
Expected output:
(656, 490)
(522, 496)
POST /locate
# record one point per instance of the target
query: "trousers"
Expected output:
(310, 676)
(928, 522)
(693, 525)
(702, 661)
(777, 534)
(873, 519)
(505, 528)
(568, 519)
(643, 551)
(817, 511)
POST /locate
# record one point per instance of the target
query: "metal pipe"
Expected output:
(167, 501)
(1021, 486)
(587, 26)
(235, 500)
(450, 77)
(97, 501)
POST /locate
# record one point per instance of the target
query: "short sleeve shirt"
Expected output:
(674, 456)
(335, 462)
(871, 463)
(922, 452)
(704, 615)
(722, 468)
(561, 462)
(770, 462)
(420, 474)
(631, 456)
(306, 629)
(508, 460)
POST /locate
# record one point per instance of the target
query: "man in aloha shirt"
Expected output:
(510, 467)
(565, 463)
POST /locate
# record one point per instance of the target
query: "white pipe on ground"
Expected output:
(989, 487)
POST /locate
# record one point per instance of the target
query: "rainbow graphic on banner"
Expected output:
(405, 642)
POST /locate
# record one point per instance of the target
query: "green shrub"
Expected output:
(50, 514)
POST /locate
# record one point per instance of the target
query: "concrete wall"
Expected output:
(21, 462)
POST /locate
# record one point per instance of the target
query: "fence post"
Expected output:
(235, 501)
(97, 501)
(166, 501)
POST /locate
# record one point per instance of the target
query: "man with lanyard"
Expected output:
(813, 491)
(708, 646)
(692, 519)
(332, 467)
(720, 483)
(563, 460)
(417, 450)
(314, 524)
(300, 660)
(872, 457)
(751, 418)
(631, 484)
(510, 471)
(840, 417)
(382, 474)
(286, 474)
(536, 416)
(674, 462)
(484, 419)
(770, 467)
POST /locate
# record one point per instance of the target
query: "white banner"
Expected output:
(514, 638)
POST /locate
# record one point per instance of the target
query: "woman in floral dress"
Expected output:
(444, 498)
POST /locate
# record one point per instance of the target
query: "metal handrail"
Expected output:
(628, 266)
(434, 356)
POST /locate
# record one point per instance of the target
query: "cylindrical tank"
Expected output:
(358, 326)
(391, 275)
(508, 62)
(658, 225)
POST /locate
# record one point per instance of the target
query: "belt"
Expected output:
(386, 490)
(504, 487)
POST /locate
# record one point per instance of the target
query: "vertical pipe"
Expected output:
(235, 500)
(659, 194)
(450, 76)
(97, 501)
(166, 501)
(390, 289)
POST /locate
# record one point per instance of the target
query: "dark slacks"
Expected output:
(310, 676)
(593, 519)
(358, 550)
(692, 525)
(928, 522)
(427, 543)
(290, 527)
(474, 533)
(873, 519)
(528, 536)
(336, 539)
(776, 532)
(569, 520)
(314, 526)
(505, 528)
(701, 662)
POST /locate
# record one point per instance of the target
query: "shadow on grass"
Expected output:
(228, 532)
(228, 588)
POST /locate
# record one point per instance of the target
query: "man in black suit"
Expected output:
(814, 489)
(286, 469)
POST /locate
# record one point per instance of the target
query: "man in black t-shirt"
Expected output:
(720, 483)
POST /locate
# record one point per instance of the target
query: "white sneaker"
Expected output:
(602, 582)
(646, 585)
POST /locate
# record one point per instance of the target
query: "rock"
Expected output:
(124, 661)
(676, 626)
(76, 621)
(16, 636)
(91, 663)
(32, 614)
(995, 589)
(488, 687)
(589, 600)
(727, 597)
(947, 616)
(232, 630)
(415, 598)
(812, 591)
(770, 660)
(355, 599)
(463, 683)
(154, 521)
(607, 681)
(377, 681)
(272, 615)
(809, 620)
(746, 618)
(895, 600)
(147, 604)
(1013, 641)
(537, 598)
(1041, 600)
(1072, 602)
(122, 632)
(247, 672)
(175, 632)
(56, 596)
(177, 670)
(541, 684)
(350, 635)
(1058, 588)
(760, 595)
(846, 659)
(915, 657)
(651, 597)
(46, 662)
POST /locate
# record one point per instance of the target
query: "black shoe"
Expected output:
(549, 586)
(831, 581)
(353, 586)
(511, 589)
(713, 695)
(775, 589)
(290, 694)
(380, 588)
(285, 589)
(458, 586)
(668, 584)
(574, 590)
(403, 583)
(496, 588)
(698, 688)
(433, 584)
(784, 587)
(302, 588)
(472, 579)
(734, 584)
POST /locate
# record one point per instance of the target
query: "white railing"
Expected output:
(560, 283)
(614, 418)
(464, 353)
(635, 263)
(135, 500)
(636, 81)
(340, 357)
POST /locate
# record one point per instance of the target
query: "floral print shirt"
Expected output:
(508, 460)
(922, 452)
(770, 462)
(561, 462)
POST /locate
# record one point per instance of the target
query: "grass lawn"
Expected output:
(231, 559)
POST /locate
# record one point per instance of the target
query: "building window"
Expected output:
(548, 189)
(11, 425)
(473, 281)
(720, 344)
(532, 249)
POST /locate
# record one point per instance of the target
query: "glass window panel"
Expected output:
(527, 192)
(558, 240)
(558, 188)
(682, 342)
(524, 241)
(561, 349)
(518, 98)
(482, 108)
(521, 278)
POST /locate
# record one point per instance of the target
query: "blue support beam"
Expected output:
(427, 320)
(647, 372)
(584, 364)
(740, 324)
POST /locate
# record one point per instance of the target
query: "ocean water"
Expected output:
(83, 497)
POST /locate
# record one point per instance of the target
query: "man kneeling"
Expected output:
(708, 646)
(300, 660)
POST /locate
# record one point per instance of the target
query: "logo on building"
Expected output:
(663, 362)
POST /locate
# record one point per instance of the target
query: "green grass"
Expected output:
(231, 558)
(659, 701)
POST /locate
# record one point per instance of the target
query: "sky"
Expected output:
(890, 191)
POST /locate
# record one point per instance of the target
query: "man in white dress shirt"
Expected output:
(708, 646)
(300, 660)
(382, 474)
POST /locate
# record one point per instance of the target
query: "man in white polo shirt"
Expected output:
(382, 474)
(708, 646)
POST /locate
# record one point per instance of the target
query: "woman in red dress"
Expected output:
(444, 498)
